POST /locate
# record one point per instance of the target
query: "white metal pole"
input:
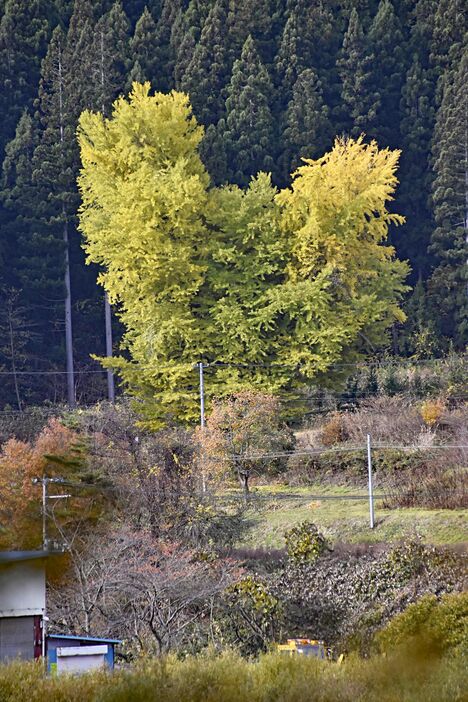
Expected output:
(369, 470)
(44, 635)
(202, 422)
(202, 395)
(44, 517)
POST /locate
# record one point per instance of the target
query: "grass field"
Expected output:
(279, 507)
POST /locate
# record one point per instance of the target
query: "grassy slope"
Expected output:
(280, 507)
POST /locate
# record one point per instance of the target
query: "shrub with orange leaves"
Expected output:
(56, 452)
(334, 430)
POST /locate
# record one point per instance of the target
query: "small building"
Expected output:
(22, 604)
(22, 620)
(78, 654)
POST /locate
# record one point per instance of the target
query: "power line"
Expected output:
(325, 497)
(189, 365)
(353, 449)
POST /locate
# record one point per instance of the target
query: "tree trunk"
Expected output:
(13, 355)
(68, 323)
(110, 373)
(244, 483)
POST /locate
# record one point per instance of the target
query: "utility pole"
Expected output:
(44, 481)
(369, 471)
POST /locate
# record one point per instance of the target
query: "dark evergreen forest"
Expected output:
(272, 81)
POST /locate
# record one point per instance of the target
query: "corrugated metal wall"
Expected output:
(16, 638)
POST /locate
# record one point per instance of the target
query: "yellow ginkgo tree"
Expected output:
(269, 288)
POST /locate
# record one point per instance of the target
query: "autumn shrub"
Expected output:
(387, 419)
(431, 411)
(25, 426)
(56, 452)
(334, 430)
(431, 485)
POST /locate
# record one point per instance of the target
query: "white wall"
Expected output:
(80, 659)
(22, 588)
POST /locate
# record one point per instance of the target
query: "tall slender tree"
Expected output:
(53, 173)
(143, 50)
(110, 60)
(208, 72)
(448, 283)
(359, 102)
(310, 40)
(213, 152)
(165, 54)
(250, 127)
(24, 33)
(110, 63)
(307, 130)
(388, 69)
(417, 123)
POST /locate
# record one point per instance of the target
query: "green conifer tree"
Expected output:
(290, 61)
(254, 17)
(186, 34)
(310, 40)
(388, 68)
(165, 55)
(213, 152)
(143, 50)
(359, 102)
(250, 126)
(109, 59)
(307, 130)
(417, 110)
(135, 8)
(449, 33)
(77, 56)
(184, 56)
(24, 33)
(24, 269)
(54, 174)
(448, 283)
(419, 338)
(208, 71)
(195, 16)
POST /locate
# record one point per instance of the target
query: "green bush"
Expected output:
(248, 616)
(440, 626)
(305, 543)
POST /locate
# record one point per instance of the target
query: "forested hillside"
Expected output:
(271, 81)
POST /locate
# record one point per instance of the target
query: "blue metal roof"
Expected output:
(83, 638)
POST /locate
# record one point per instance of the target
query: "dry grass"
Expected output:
(228, 678)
